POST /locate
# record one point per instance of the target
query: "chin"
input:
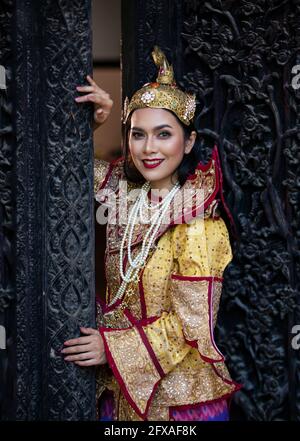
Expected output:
(153, 177)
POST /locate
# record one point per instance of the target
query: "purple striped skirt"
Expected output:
(215, 411)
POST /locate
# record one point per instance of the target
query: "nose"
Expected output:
(149, 146)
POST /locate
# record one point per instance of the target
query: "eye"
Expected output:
(164, 134)
(136, 135)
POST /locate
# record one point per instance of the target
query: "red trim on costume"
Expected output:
(142, 322)
(117, 160)
(226, 208)
(211, 360)
(195, 278)
(195, 210)
(238, 386)
(210, 312)
(228, 396)
(193, 343)
(118, 375)
(204, 167)
(139, 326)
(107, 176)
(107, 309)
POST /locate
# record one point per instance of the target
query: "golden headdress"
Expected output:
(163, 93)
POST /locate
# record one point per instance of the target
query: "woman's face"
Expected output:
(157, 145)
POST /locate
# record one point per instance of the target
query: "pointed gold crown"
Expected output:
(163, 93)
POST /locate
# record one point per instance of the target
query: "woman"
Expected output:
(164, 265)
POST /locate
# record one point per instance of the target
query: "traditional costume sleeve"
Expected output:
(202, 251)
(101, 171)
(141, 355)
(106, 177)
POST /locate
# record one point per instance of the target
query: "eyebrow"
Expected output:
(155, 128)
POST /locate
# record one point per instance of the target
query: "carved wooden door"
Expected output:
(46, 209)
(238, 57)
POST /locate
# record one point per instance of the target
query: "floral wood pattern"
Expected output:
(55, 217)
(7, 225)
(237, 56)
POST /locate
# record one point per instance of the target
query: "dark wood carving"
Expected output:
(238, 58)
(53, 202)
(7, 225)
(69, 224)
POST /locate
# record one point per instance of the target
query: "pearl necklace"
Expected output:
(135, 264)
(146, 203)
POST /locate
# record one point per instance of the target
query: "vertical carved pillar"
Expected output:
(54, 205)
(7, 226)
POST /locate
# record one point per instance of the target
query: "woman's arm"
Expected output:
(102, 108)
(101, 100)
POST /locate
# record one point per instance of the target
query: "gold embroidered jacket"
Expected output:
(159, 338)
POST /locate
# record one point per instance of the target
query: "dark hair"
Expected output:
(185, 168)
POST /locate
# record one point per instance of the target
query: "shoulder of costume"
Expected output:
(117, 162)
(210, 176)
(117, 165)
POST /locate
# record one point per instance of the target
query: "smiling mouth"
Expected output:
(152, 163)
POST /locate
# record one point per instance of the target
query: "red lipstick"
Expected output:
(152, 163)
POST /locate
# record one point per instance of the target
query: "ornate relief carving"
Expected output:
(7, 224)
(55, 217)
(238, 58)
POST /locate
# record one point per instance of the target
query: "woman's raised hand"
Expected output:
(86, 351)
(101, 99)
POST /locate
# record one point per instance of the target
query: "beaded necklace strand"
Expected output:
(135, 264)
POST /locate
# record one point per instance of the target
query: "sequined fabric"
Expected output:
(132, 365)
(100, 172)
(191, 299)
(159, 339)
